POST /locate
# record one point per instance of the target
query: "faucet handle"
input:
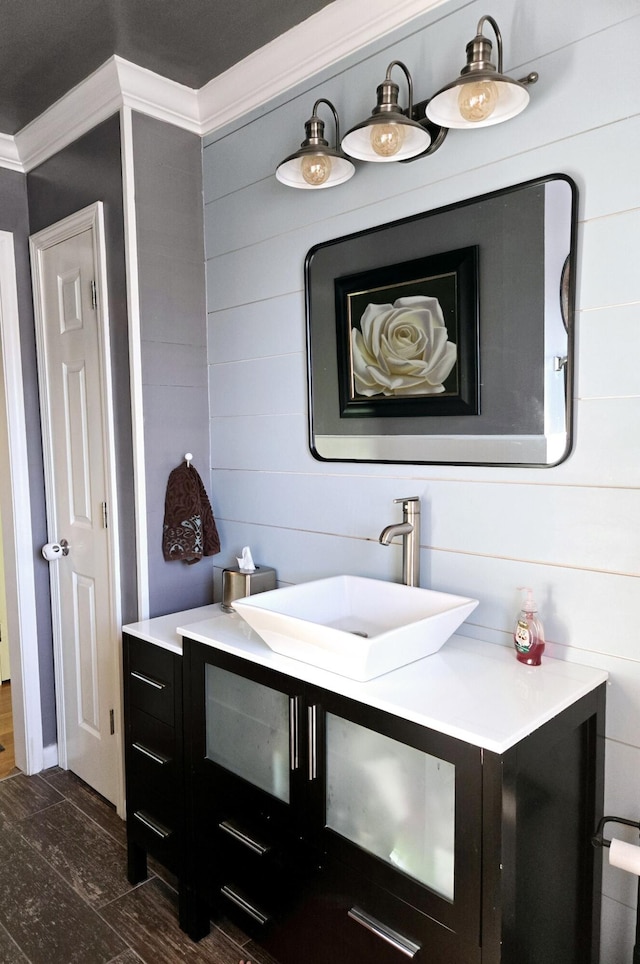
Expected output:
(408, 498)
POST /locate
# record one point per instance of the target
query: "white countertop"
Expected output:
(472, 690)
(163, 630)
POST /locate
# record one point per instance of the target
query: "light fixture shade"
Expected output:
(444, 107)
(292, 172)
(482, 95)
(316, 165)
(357, 142)
(389, 134)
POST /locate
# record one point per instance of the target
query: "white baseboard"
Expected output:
(50, 756)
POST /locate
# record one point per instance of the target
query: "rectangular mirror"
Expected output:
(447, 337)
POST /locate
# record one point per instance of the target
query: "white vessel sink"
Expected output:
(354, 626)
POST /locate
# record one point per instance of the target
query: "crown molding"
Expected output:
(87, 104)
(335, 32)
(116, 84)
(152, 94)
(9, 156)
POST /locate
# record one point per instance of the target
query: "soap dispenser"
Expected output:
(528, 635)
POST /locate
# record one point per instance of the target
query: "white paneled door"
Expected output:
(72, 355)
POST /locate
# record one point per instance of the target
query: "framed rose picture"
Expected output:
(407, 338)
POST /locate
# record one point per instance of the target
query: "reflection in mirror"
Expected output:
(418, 353)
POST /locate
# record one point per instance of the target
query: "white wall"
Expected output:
(572, 532)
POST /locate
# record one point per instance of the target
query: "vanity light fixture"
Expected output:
(481, 95)
(316, 164)
(390, 133)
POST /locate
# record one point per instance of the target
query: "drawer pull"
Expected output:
(151, 824)
(234, 831)
(148, 680)
(312, 737)
(156, 757)
(244, 904)
(294, 736)
(403, 944)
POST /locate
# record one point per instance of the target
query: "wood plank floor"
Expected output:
(64, 894)
(7, 757)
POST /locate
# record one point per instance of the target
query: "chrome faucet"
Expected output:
(409, 529)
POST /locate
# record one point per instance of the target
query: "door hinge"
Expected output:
(94, 295)
(112, 725)
(105, 516)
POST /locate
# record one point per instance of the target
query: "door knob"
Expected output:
(54, 550)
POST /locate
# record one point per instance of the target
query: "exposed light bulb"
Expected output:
(316, 169)
(477, 101)
(387, 139)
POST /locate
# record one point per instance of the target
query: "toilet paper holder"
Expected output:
(599, 840)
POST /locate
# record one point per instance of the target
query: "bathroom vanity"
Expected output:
(440, 813)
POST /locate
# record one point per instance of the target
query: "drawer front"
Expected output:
(268, 866)
(154, 752)
(149, 788)
(224, 795)
(261, 904)
(365, 923)
(154, 824)
(152, 680)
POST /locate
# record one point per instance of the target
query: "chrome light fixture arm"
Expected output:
(530, 78)
(386, 85)
(482, 42)
(314, 127)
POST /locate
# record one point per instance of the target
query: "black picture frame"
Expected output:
(434, 292)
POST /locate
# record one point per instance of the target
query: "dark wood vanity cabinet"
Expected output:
(153, 756)
(334, 831)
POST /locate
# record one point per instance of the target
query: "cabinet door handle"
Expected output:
(234, 831)
(244, 904)
(148, 680)
(153, 825)
(156, 757)
(312, 720)
(294, 734)
(401, 943)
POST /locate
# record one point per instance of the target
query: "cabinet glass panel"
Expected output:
(392, 800)
(247, 727)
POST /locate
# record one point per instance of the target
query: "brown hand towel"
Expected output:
(189, 530)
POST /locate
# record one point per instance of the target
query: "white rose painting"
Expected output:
(402, 349)
(407, 339)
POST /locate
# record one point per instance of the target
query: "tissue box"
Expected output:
(237, 583)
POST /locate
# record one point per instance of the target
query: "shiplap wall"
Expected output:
(572, 532)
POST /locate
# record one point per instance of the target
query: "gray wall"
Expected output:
(90, 170)
(169, 217)
(14, 217)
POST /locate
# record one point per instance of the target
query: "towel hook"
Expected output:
(188, 457)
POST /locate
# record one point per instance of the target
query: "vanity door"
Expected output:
(401, 812)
